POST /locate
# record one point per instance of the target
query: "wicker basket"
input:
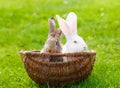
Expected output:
(58, 73)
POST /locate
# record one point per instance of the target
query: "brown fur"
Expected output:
(52, 44)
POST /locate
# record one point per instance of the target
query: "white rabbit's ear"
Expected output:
(72, 22)
(52, 24)
(63, 26)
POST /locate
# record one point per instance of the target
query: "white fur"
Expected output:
(69, 29)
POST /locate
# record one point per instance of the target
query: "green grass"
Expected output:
(24, 26)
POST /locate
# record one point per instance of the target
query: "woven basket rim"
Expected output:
(92, 52)
(37, 52)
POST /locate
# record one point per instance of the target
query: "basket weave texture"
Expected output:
(58, 73)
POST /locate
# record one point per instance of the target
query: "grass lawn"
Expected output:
(24, 26)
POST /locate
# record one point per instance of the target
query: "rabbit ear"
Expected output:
(63, 26)
(72, 22)
(59, 32)
(52, 24)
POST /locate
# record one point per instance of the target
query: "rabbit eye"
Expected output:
(57, 43)
(75, 41)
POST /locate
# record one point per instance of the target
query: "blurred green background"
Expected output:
(24, 26)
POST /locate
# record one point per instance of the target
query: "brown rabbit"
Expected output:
(52, 44)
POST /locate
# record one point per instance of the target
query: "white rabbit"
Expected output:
(74, 42)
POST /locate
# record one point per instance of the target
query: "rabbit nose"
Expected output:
(84, 48)
(50, 50)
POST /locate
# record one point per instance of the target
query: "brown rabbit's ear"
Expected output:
(60, 32)
(52, 25)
